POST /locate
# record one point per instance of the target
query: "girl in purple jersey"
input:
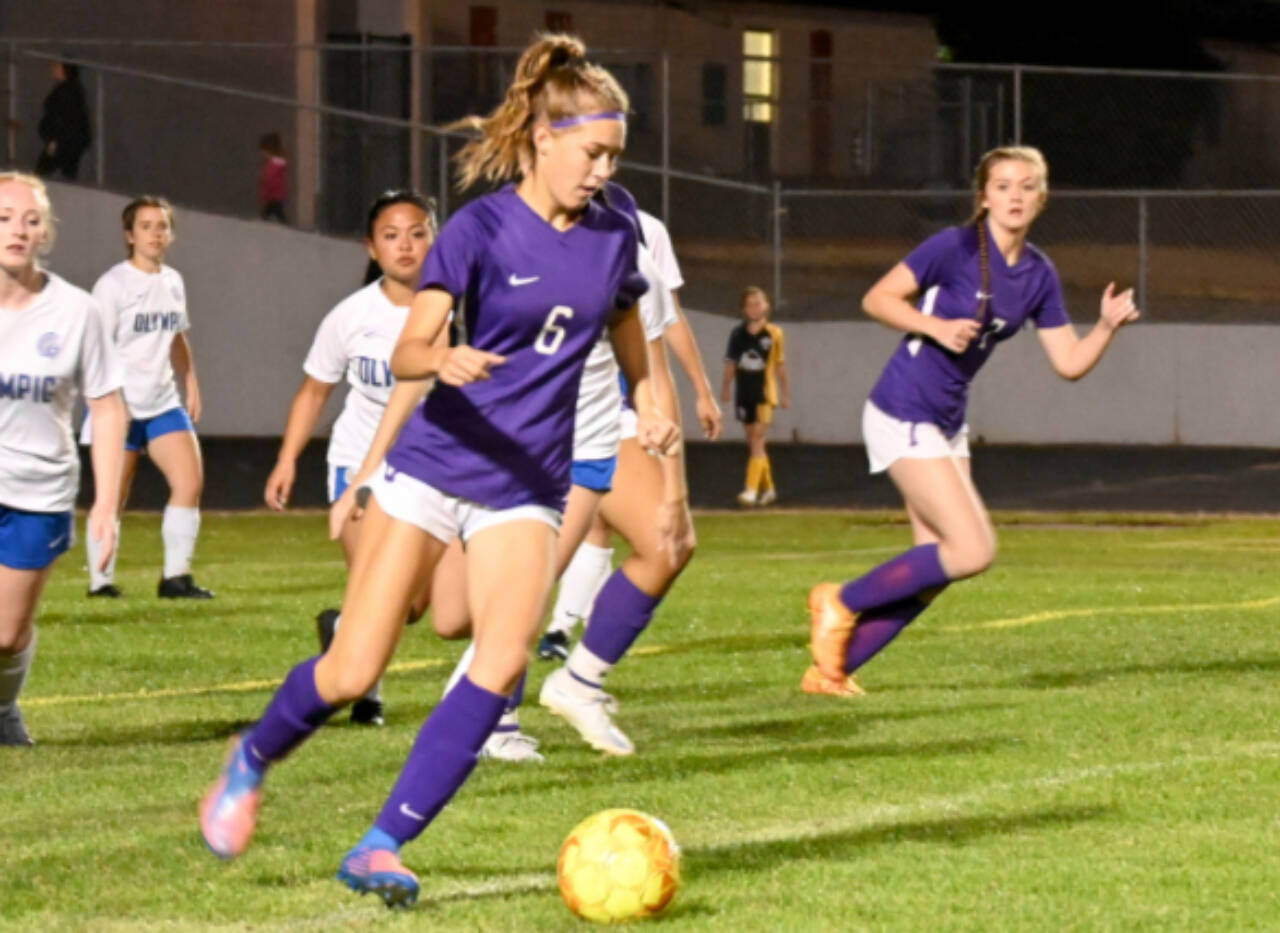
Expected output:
(956, 296)
(486, 457)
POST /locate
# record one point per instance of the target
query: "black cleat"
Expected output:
(554, 646)
(109, 590)
(326, 625)
(367, 712)
(13, 731)
(182, 587)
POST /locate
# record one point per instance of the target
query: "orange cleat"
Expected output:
(830, 628)
(229, 811)
(814, 682)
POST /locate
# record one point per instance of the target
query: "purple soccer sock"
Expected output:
(621, 612)
(441, 759)
(293, 714)
(876, 628)
(895, 580)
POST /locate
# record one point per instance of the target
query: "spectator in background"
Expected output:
(273, 183)
(755, 369)
(64, 124)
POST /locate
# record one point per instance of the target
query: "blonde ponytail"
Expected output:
(553, 80)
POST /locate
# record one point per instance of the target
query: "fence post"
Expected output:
(966, 130)
(777, 245)
(1142, 255)
(666, 138)
(442, 176)
(98, 108)
(12, 107)
(869, 130)
(1017, 105)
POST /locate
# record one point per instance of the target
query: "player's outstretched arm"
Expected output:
(679, 337)
(1072, 356)
(183, 361)
(303, 415)
(109, 418)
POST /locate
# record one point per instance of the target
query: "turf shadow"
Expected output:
(845, 845)
(829, 723)
(1061, 679)
(170, 732)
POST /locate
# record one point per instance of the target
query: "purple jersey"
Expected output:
(924, 382)
(540, 297)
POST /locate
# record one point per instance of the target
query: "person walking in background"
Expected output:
(755, 367)
(273, 181)
(64, 124)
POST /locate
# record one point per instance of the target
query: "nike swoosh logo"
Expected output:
(515, 280)
(404, 808)
(58, 540)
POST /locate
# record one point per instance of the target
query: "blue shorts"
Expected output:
(143, 431)
(33, 540)
(596, 475)
(339, 480)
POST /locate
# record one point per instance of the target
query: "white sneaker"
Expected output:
(511, 746)
(768, 497)
(747, 497)
(588, 714)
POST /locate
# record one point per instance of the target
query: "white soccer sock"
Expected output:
(93, 547)
(583, 665)
(460, 670)
(579, 585)
(13, 672)
(179, 529)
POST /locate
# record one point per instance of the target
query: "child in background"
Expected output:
(273, 182)
(755, 367)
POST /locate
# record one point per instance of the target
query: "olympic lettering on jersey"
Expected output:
(355, 341)
(142, 313)
(50, 352)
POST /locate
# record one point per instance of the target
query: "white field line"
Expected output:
(1054, 615)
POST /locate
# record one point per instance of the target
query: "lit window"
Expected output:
(759, 76)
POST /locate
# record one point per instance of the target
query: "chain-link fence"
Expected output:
(852, 172)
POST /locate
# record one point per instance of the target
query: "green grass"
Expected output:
(1084, 738)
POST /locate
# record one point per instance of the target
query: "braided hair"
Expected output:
(982, 174)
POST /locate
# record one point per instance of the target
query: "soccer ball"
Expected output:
(619, 865)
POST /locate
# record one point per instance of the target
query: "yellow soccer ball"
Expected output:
(619, 865)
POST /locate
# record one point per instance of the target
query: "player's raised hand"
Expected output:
(658, 435)
(279, 486)
(464, 365)
(1118, 310)
(955, 334)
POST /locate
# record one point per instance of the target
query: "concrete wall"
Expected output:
(257, 292)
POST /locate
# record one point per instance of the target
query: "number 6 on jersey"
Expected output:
(552, 333)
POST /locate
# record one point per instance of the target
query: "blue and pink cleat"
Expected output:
(371, 870)
(229, 810)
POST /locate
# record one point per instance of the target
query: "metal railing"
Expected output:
(818, 240)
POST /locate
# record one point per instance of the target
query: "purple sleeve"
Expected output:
(1052, 310)
(633, 285)
(930, 260)
(452, 256)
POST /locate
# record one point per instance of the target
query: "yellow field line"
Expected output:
(1053, 615)
(244, 686)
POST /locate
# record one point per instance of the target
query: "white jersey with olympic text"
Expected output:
(142, 313)
(50, 352)
(356, 339)
(596, 432)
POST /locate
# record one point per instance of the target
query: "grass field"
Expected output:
(1087, 737)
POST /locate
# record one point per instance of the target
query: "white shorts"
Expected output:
(629, 419)
(889, 439)
(442, 516)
